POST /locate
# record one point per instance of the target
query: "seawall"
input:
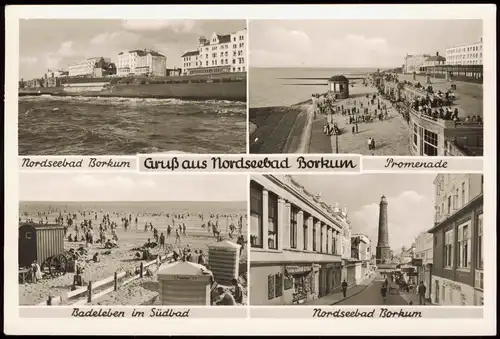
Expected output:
(232, 91)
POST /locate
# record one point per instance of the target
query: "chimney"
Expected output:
(437, 53)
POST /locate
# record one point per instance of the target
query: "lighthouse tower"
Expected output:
(383, 254)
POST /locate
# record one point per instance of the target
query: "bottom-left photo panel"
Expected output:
(133, 239)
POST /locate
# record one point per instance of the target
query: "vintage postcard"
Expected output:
(250, 170)
(370, 87)
(122, 87)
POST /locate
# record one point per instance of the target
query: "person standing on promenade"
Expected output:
(369, 143)
(353, 130)
(356, 128)
(421, 293)
(344, 288)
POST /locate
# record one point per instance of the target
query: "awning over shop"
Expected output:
(298, 270)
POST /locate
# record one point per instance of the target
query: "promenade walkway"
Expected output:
(391, 135)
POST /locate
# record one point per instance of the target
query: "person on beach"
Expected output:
(162, 241)
(238, 291)
(225, 298)
(369, 143)
(344, 288)
(177, 236)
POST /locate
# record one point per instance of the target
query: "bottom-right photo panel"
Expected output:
(368, 239)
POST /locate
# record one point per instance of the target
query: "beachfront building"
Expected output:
(423, 260)
(457, 271)
(300, 246)
(222, 53)
(465, 54)
(431, 136)
(361, 252)
(415, 63)
(85, 68)
(338, 85)
(141, 62)
(436, 60)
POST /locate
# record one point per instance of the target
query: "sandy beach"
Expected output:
(122, 259)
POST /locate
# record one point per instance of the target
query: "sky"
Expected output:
(353, 43)
(131, 187)
(410, 199)
(56, 43)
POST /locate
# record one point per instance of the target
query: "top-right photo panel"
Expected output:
(370, 87)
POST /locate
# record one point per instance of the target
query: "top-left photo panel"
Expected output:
(123, 87)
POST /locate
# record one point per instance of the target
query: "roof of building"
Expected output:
(436, 58)
(144, 52)
(224, 38)
(224, 244)
(339, 78)
(190, 53)
(184, 268)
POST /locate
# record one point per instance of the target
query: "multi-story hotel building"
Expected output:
(457, 271)
(415, 63)
(465, 54)
(219, 54)
(141, 62)
(300, 246)
(423, 260)
(85, 67)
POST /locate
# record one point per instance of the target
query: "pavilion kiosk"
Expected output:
(184, 283)
(224, 261)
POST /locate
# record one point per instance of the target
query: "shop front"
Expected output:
(299, 283)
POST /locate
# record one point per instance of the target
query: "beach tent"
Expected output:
(184, 283)
(224, 261)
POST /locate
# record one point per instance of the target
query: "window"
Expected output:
(314, 235)
(278, 285)
(415, 134)
(272, 221)
(256, 236)
(456, 205)
(464, 246)
(28, 235)
(449, 204)
(305, 236)
(448, 248)
(479, 246)
(293, 227)
(430, 143)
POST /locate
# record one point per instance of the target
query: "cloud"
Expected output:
(178, 26)
(29, 60)
(283, 47)
(409, 214)
(118, 39)
(66, 49)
